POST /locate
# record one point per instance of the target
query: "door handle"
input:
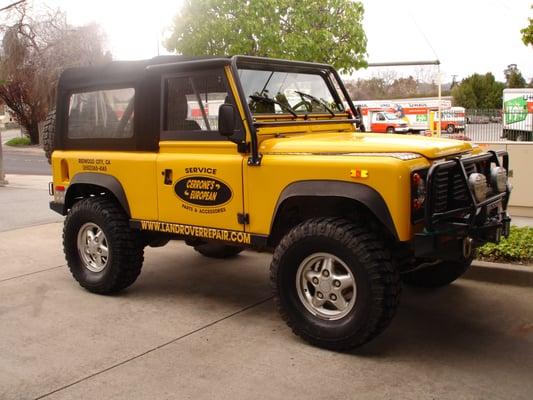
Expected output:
(167, 176)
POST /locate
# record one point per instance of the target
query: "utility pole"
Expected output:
(3, 181)
(439, 80)
(454, 81)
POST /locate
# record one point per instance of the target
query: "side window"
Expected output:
(101, 114)
(191, 104)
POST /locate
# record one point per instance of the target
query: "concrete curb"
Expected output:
(507, 274)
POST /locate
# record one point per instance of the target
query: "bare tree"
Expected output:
(387, 84)
(34, 50)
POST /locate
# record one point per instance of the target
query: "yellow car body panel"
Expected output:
(346, 142)
(149, 198)
(136, 171)
(200, 165)
(388, 176)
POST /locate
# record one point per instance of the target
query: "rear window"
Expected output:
(101, 114)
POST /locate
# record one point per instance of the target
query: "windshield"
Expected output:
(293, 93)
(391, 116)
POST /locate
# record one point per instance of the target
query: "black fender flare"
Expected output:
(108, 182)
(359, 192)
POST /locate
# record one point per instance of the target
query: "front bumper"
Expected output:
(455, 232)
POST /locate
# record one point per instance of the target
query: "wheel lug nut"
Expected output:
(336, 283)
(320, 295)
(325, 273)
(315, 281)
(333, 297)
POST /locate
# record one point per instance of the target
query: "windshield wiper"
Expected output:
(316, 100)
(267, 100)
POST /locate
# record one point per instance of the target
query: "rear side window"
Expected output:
(101, 114)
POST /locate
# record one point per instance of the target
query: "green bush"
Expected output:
(19, 141)
(518, 247)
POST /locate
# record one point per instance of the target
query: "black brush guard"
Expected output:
(453, 233)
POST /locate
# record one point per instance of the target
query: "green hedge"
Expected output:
(517, 248)
(19, 141)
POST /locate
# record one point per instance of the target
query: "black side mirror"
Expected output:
(226, 120)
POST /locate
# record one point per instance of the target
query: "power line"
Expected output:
(420, 30)
(12, 5)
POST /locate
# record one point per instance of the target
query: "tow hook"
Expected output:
(467, 247)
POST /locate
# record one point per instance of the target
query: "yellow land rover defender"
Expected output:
(242, 153)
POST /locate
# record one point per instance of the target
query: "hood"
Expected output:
(357, 142)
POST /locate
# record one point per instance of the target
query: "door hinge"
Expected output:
(243, 147)
(243, 219)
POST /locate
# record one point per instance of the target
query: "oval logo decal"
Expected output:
(203, 191)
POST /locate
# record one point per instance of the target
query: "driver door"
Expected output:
(200, 171)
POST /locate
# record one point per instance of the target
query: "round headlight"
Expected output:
(478, 185)
(498, 178)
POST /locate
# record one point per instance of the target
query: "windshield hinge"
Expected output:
(255, 162)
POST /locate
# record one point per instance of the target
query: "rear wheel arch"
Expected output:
(321, 198)
(88, 184)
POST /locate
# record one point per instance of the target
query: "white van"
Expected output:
(518, 114)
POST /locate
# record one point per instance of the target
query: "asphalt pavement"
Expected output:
(25, 160)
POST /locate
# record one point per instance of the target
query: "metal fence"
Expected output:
(496, 126)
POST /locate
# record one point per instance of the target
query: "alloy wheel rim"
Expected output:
(93, 247)
(326, 286)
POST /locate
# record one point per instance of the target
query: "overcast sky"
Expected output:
(467, 36)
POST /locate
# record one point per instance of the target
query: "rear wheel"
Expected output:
(450, 129)
(334, 283)
(103, 253)
(437, 274)
(218, 250)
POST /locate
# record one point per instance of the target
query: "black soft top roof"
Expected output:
(115, 73)
(120, 73)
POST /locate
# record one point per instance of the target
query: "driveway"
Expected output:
(196, 328)
(24, 202)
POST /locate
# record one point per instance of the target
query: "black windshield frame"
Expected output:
(286, 65)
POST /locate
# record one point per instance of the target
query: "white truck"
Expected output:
(518, 114)
(416, 114)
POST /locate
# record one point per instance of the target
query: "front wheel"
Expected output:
(390, 129)
(437, 273)
(334, 283)
(103, 253)
(450, 129)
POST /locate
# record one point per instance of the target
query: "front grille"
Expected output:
(449, 199)
(450, 191)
